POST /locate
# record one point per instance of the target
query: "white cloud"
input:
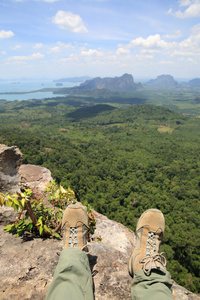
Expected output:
(71, 58)
(143, 57)
(193, 42)
(91, 52)
(37, 56)
(170, 11)
(152, 42)
(166, 62)
(195, 30)
(60, 47)
(177, 34)
(192, 10)
(6, 34)
(38, 46)
(3, 52)
(149, 51)
(110, 57)
(70, 22)
(123, 50)
(191, 60)
(190, 46)
(29, 57)
(55, 49)
(16, 47)
(184, 2)
(180, 53)
(66, 46)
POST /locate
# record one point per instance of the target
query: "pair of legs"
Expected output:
(73, 280)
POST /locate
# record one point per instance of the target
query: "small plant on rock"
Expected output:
(35, 217)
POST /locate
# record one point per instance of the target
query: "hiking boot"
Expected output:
(149, 233)
(75, 226)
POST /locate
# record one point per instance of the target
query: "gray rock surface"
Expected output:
(34, 178)
(112, 280)
(14, 176)
(10, 160)
(27, 267)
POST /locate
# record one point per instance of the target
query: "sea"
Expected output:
(26, 86)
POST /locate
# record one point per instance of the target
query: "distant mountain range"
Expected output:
(112, 86)
(194, 82)
(163, 81)
(102, 86)
(125, 82)
(168, 81)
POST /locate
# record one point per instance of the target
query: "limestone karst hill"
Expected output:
(27, 267)
(125, 82)
(122, 83)
(163, 81)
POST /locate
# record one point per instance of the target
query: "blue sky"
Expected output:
(67, 38)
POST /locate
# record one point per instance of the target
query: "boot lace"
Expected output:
(153, 259)
(73, 241)
(73, 238)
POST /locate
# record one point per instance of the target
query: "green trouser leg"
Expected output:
(72, 278)
(156, 286)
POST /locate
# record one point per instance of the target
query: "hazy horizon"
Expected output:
(136, 79)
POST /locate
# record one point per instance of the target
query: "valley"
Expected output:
(122, 155)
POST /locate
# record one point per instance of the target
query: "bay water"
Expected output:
(16, 87)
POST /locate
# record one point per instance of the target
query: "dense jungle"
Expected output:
(122, 155)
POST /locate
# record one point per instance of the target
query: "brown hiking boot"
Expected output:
(75, 226)
(149, 234)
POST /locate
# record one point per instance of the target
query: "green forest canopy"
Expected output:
(122, 161)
